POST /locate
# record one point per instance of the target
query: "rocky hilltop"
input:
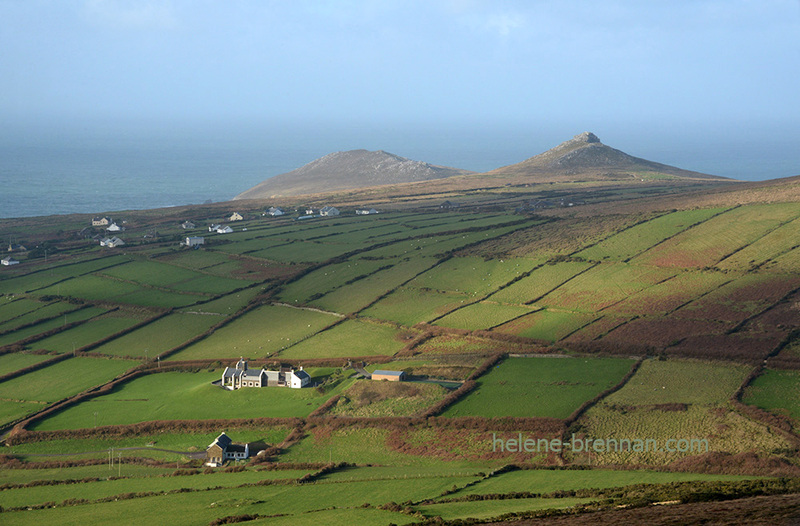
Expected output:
(585, 154)
(348, 170)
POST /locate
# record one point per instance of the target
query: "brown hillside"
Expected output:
(348, 170)
(585, 155)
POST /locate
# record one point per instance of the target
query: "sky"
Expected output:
(681, 70)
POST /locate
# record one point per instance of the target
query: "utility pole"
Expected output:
(119, 463)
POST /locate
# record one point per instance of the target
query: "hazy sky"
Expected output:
(722, 68)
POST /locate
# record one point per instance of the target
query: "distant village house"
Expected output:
(220, 229)
(236, 216)
(187, 225)
(194, 241)
(329, 211)
(365, 211)
(101, 221)
(111, 242)
(113, 227)
(274, 211)
(9, 261)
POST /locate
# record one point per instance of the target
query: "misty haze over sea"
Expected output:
(92, 169)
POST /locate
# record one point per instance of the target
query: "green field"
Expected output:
(473, 276)
(33, 312)
(185, 396)
(637, 239)
(712, 241)
(483, 315)
(360, 294)
(93, 330)
(547, 324)
(50, 325)
(777, 391)
(58, 272)
(175, 445)
(349, 339)
(680, 381)
(258, 333)
(549, 387)
(62, 379)
(11, 362)
(572, 296)
(768, 249)
(159, 336)
(552, 480)
(326, 279)
(604, 285)
(409, 306)
(541, 281)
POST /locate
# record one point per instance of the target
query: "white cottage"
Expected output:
(329, 211)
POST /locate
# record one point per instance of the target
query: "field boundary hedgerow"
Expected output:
(693, 225)
(781, 424)
(465, 388)
(33, 367)
(51, 332)
(571, 419)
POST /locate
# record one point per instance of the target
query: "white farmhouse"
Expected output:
(329, 211)
(240, 376)
(111, 242)
(193, 241)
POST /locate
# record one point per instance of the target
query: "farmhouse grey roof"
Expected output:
(223, 441)
(301, 374)
(251, 374)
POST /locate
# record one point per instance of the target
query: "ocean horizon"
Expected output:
(97, 172)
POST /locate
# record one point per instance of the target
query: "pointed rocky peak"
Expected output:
(585, 155)
(586, 137)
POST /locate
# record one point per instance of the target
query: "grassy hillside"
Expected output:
(645, 312)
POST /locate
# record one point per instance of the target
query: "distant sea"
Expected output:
(96, 170)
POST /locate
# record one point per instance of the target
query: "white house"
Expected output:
(274, 211)
(240, 376)
(9, 261)
(111, 242)
(236, 216)
(113, 227)
(364, 211)
(193, 241)
(223, 448)
(224, 229)
(311, 211)
(187, 225)
(328, 211)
